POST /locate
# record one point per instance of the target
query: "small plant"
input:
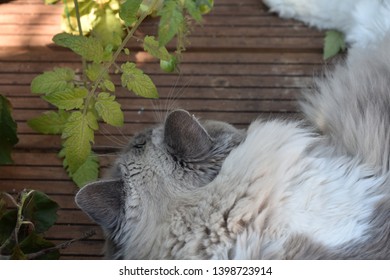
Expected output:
(83, 101)
(21, 228)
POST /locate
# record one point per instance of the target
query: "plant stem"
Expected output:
(20, 220)
(63, 245)
(83, 61)
(116, 54)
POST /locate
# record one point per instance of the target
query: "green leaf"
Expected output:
(41, 211)
(7, 225)
(3, 206)
(78, 136)
(128, 11)
(89, 48)
(193, 10)
(88, 171)
(109, 109)
(135, 80)
(334, 43)
(51, 2)
(68, 99)
(108, 30)
(17, 254)
(87, 12)
(92, 121)
(34, 243)
(8, 135)
(109, 85)
(49, 122)
(57, 80)
(152, 47)
(93, 71)
(171, 21)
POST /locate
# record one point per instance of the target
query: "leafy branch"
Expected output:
(21, 227)
(82, 104)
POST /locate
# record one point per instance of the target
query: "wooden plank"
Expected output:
(61, 55)
(192, 105)
(67, 232)
(217, 81)
(186, 69)
(49, 187)
(87, 249)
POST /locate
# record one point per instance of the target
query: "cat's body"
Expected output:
(364, 22)
(315, 189)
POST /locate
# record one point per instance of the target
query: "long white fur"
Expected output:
(325, 199)
(278, 190)
(364, 22)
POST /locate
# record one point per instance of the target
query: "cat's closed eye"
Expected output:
(139, 142)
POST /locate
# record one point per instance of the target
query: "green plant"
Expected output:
(8, 136)
(334, 43)
(21, 228)
(83, 102)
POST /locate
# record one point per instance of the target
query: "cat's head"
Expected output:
(157, 166)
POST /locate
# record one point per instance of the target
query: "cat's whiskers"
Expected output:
(174, 95)
(112, 138)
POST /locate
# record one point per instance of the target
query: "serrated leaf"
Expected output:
(108, 30)
(34, 243)
(92, 121)
(89, 48)
(151, 45)
(109, 85)
(128, 11)
(334, 43)
(109, 109)
(41, 211)
(78, 137)
(88, 171)
(86, 12)
(171, 21)
(52, 81)
(93, 71)
(49, 122)
(135, 80)
(8, 135)
(68, 99)
(193, 10)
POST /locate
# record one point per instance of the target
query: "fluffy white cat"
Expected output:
(314, 189)
(364, 22)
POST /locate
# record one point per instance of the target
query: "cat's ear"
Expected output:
(102, 201)
(185, 136)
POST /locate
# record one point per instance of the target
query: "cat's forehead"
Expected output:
(153, 134)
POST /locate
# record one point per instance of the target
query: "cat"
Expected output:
(316, 188)
(363, 22)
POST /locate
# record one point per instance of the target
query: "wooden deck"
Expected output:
(242, 63)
